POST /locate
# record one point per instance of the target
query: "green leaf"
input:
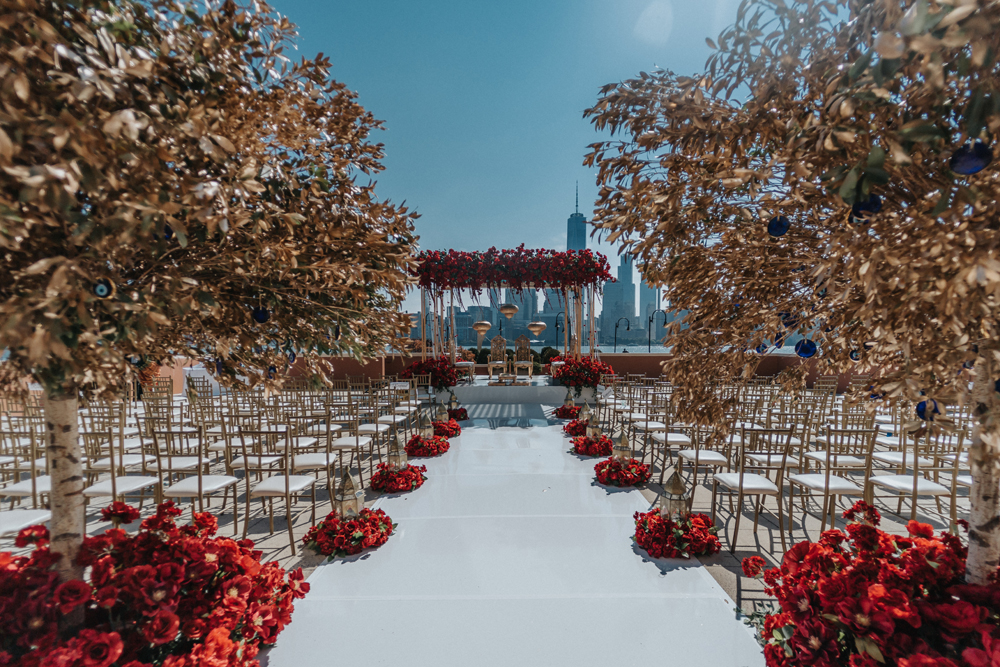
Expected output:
(914, 21)
(848, 189)
(860, 65)
(975, 113)
(921, 132)
(876, 175)
(876, 158)
(942, 203)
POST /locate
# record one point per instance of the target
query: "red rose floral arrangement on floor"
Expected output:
(619, 472)
(339, 536)
(567, 411)
(389, 480)
(425, 447)
(575, 428)
(869, 598)
(662, 537)
(600, 446)
(168, 595)
(580, 373)
(458, 414)
(441, 370)
(448, 429)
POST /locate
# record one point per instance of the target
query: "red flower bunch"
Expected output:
(424, 447)
(448, 429)
(168, 595)
(387, 480)
(517, 269)
(458, 414)
(567, 411)
(119, 512)
(345, 536)
(580, 373)
(441, 370)
(615, 472)
(867, 598)
(663, 537)
(575, 428)
(601, 446)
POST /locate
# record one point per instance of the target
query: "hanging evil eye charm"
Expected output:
(927, 409)
(788, 320)
(291, 357)
(260, 315)
(778, 226)
(969, 160)
(805, 348)
(218, 368)
(271, 370)
(861, 210)
(761, 349)
(854, 355)
(103, 289)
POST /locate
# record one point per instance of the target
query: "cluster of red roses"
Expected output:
(582, 372)
(869, 598)
(441, 370)
(520, 268)
(345, 536)
(423, 447)
(119, 513)
(575, 428)
(387, 480)
(567, 411)
(662, 537)
(448, 429)
(458, 414)
(600, 446)
(168, 595)
(616, 472)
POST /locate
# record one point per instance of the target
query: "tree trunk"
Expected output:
(984, 458)
(66, 471)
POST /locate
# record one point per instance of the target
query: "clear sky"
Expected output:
(483, 101)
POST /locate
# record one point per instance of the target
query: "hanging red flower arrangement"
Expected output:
(868, 598)
(567, 411)
(517, 269)
(425, 447)
(600, 446)
(618, 472)
(458, 414)
(408, 478)
(662, 537)
(575, 428)
(338, 536)
(448, 429)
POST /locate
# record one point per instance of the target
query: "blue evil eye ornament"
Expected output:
(103, 289)
(969, 160)
(854, 355)
(927, 409)
(291, 357)
(271, 370)
(778, 226)
(218, 368)
(761, 349)
(862, 209)
(805, 348)
(260, 315)
(996, 386)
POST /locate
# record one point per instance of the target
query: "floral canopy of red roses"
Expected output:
(517, 269)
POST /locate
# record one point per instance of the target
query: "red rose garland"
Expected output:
(567, 411)
(442, 371)
(387, 480)
(339, 536)
(602, 446)
(458, 414)
(575, 428)
(518, 269)
(167, 595)
(614, 472)
(424, 447)
(870, 598)
(448, 429)
(664, 538)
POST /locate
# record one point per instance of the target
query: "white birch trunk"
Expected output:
(66, 470)
(984, 458)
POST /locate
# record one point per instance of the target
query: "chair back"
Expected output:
(498, 349)
(770, 448)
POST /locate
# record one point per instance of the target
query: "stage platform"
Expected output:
(538, 389)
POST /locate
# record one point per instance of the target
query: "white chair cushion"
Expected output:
(25, 466)
(837, 460)
(888, 441)
(964, 480)
(123, 485)
(373, 428)
(188, 487)
(255, 461)
(14, 521)
(304, 441)
(275, 486)
(391, 419)
(896, 459)
(650, 426)
(313, 461)
(131, 443)
(128, 460)
(178, 463)
(43, 484)
(671, 438)
(752, 483)
(767, 459)
(705, 456)
(817, 482)
(904, 484)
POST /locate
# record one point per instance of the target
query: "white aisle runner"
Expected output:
(510, 555)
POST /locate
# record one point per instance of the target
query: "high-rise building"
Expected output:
(576, 228)
(649, 303)
(619, 300)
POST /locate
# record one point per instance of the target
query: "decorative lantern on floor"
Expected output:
(675, 498)
(568, 401)
(508, 310)
(441, 412)
(453, 403)
(481, 328)
(585, 413)
(593, 427)
(348, 501)
(536, 327)
(622, 450)
(397, 455)
(426, 427)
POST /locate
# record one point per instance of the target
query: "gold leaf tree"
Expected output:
(849, 195)
(172, 184)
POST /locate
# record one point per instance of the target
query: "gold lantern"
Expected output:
(426, 427)
(585, 412)
(397, 454)
(481, 327)
(441, 412)
(348, 501)
(536, 327)
(568, 401)
(622, 450)
(508, 310)
(593, 427)
(453, 403)
(675, 498)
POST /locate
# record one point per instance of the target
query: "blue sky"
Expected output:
(483, 101)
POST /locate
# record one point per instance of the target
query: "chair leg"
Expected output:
(781, 520)
(791, 509)
(736, 526)
(236, 510)
(288, 522)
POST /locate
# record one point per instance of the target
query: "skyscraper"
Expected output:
(649, 302)
(619, 300)
(576, 228)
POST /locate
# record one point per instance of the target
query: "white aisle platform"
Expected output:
(511, 555)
